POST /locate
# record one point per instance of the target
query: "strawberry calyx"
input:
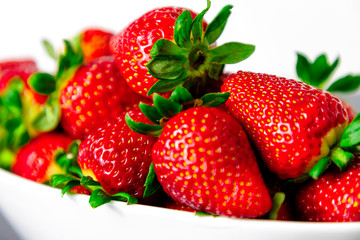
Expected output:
(74, 177)
(51, 85)
(318, 74)
(164, 108)
(342, 154)
(277, 201)
(193, 60)
(13, 130)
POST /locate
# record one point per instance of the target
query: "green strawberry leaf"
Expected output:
(182, 30)
(231, 52)
(124, 197)
(197, 26)
(205, 214)
(49, 49)
(316, 73)
(172, 67)
(165, 86)
(164, 47)
(59, 179)
(215, 99)
(341, 158)
(181, 95)
(88, 181)
(166, 107)
(320, 167)
(76, 170)
(216, 27)
(98, 198)
(150, 112)
(70, 185)
(345, 84)
(152, 185)
(277, 201)
(42, 83)
(142, 128)
(48, 119)
(351, 134)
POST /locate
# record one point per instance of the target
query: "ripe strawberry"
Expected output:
(203, 159)
(94, 43)
(83, 95)
(171, 46)
(334, 197)
(292, 125)
(117, 157)
(36, 160)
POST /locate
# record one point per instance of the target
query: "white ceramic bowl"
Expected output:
(38, 212)
(278, 28)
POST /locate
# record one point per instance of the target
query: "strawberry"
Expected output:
(334, 197)
(93, 43)
(172, 46)
(202, 157)
(82, 95)
(318, 74)
(36, 160)
(116, 157)
(292, 125)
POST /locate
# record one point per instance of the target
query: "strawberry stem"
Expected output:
(320, 167)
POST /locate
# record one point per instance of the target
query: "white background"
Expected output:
(278, 28)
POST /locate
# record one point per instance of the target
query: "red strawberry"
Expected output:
(94, 43)
(95, 92)
(86, 95)
(171, 204)
(117, 157)
(334, 197)
(170, 47)
(203, 159)
(36, 160)
(132, 46)
(292, 125)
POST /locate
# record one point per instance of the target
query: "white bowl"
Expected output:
(38, 212)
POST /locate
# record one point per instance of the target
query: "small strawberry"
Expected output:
(82, 95)
(36, 160)
(93, 43)
(171, 46)
(334, 197)
(318, 74)
(203, 158)
(116, 157)
(292, 125)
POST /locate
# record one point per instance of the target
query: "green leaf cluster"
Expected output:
(48, 84)
(193, 60)
(74, 177)
(13, 130)
(318, 74)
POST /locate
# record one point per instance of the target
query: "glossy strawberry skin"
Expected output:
(334, 197)
(203, 159)
(131, 47)
(94, 43)
(95, 93)
(117, 157)
(35, 161)
(285, 119)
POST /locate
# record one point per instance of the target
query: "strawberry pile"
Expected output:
(148, 115)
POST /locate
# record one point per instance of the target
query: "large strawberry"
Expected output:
(117, 157)
(83, 95)
(292, 125)
(334, 197)
(203, 158)
(36, 160)
(170, 44)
